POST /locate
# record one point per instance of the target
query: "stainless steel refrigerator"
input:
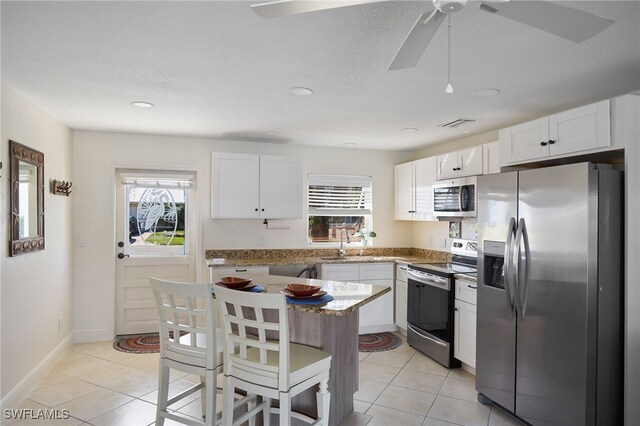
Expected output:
(550, 262)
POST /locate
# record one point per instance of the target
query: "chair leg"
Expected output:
(163, 392)
(253, 402)
(209, 401)
(228, 400)
(323, 399)
(203, 397)
(285, 409)
(266, 413)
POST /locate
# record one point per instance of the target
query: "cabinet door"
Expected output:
(375, 271)
(523, 142)
(280, 187)
(404, 191)
(377, 316)
(235, 186)
(401, 304)
(470, 161)
(424, 178)
(491, 158)
(447, 166)
(580, 129)
(464, 347)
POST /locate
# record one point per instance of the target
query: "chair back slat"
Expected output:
(256, 355)
(187, 316)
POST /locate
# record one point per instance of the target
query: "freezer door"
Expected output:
(496, 323)
(557, 323)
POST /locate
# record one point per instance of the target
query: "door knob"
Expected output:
(122, 255)
(120, 244)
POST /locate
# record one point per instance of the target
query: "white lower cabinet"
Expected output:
(376, 316)
(402, 291)
(464, 333)
(215, 273)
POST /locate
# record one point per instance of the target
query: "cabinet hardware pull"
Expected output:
(472, 286)
(543, 143)
(262, 209)
(551, 142)
(241, 270)
(256, 209)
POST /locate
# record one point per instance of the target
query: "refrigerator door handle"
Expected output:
(517, 260)
(506, 272)
(527, 264)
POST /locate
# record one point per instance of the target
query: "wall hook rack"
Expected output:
(61, 187)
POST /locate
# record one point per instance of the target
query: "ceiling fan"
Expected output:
(568, 23)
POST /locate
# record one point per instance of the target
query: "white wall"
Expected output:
(35, 288)
(97, 155)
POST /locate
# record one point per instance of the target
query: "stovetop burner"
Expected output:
(464, 260)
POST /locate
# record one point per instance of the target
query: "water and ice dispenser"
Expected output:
(493, 264)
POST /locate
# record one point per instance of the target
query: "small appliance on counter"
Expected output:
(430, 310)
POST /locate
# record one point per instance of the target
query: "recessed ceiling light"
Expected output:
(484, 93)
(349, 144)
(409, 129)
(300, 91)
(142, 104)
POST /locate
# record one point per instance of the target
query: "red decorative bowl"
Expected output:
(302, 289)
(235, 282)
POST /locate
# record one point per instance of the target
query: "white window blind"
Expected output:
(339, 195)
(151, 179)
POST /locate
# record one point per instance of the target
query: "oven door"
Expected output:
(429, 315)
(429, 310)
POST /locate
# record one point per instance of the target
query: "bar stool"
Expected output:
(273, 368)
(187, 315)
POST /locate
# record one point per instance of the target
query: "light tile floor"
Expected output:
(102, 386)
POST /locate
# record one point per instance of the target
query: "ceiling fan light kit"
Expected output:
(449, 6)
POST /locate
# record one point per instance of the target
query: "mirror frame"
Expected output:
(17, 153)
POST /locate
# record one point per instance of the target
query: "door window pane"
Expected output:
(157, 221)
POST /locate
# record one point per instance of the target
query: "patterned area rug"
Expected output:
(377, 342)
(138, 343)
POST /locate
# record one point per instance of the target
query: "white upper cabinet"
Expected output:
(466, 162)
(491, 158)
(404, 191)
(578, 130)
(247, 186)
(414, 189)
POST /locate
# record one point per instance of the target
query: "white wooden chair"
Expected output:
(188, 308)
(271, 368)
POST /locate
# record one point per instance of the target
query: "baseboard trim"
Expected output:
(89, 336)
(22, 389)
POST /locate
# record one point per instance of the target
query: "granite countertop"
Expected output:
(258, 257)
(347, 297)
(466, 277)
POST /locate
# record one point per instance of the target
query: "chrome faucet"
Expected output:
(342, 249)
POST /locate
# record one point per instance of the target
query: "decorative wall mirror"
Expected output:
(26, 199)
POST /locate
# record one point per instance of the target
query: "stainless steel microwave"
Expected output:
(455, 197)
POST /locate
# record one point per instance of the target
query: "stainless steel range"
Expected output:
(430, 309)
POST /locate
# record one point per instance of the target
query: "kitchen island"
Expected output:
(332, 327)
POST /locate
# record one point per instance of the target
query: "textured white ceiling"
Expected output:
(216, 69)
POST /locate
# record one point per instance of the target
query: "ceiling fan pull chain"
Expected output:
(449, 89)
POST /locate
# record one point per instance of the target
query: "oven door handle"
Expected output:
(421, 334)
(428, 279)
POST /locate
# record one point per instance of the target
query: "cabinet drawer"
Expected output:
(216, 273)
(337, 272)
(401, 272)
(376, 271)
(466, 291)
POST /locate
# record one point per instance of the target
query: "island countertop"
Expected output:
(347, 296)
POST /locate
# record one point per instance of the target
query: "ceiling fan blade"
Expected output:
(571, 24)
(417, 40)
(291, 7)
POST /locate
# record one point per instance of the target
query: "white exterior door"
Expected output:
(155, 238)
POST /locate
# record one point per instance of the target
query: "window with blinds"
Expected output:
(336, 203)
